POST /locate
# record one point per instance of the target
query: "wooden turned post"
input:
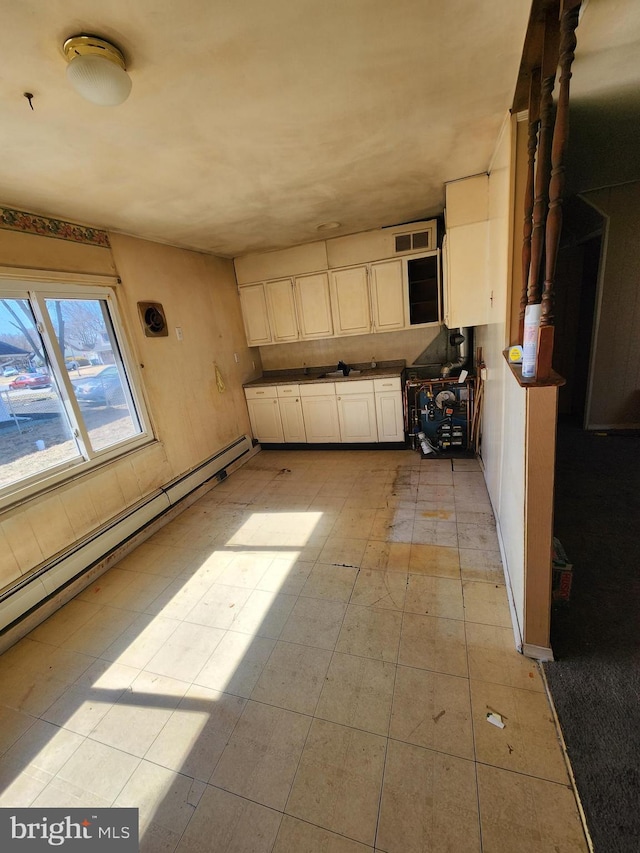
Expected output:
(532, 144)
(568, 24)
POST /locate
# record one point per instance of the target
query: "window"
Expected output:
(67, 395)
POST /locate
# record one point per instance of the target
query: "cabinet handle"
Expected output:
(275, 402)
(339, 398)
(297, 401)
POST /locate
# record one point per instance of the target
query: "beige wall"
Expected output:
(387, 346)
(614, 397)
(191, 418)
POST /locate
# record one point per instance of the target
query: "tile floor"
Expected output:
(302, 662)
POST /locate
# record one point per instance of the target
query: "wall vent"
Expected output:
(421, 240)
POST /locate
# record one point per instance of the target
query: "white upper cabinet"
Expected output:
(254, 313)
(466, 252)
(282, 310)
(387, 296)
(314, 307)
(350, 301)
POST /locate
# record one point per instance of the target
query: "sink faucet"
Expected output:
(344, 368)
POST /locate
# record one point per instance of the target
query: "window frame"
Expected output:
(36, 286)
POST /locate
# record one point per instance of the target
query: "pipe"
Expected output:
(463, 352)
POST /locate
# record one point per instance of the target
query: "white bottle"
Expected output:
(530, 341)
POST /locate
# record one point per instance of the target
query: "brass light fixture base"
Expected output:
(93, 46)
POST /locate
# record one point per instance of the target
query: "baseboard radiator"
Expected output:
(89, 558)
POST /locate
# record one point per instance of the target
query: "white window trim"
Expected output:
(19, 283)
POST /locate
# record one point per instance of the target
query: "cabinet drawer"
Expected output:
(320, 389)
(391, 383)
(262, 392)
(354, 386)
(288, 390)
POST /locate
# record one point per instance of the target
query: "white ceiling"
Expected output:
(251, 122)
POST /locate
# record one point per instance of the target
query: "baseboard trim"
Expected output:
(541, 653)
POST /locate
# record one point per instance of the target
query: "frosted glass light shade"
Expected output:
(99, 80)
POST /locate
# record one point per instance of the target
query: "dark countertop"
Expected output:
(318, 374)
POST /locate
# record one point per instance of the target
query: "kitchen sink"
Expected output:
(334, 374)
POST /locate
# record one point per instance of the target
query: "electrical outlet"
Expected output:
(236, 358)
(179, 332)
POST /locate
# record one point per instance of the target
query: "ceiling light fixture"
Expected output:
(97, 70)
(328, 226)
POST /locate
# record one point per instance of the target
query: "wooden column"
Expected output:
(532, 144)
(568, 24)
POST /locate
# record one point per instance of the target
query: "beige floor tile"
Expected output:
(296, 836)
(285, 575)
(144, 638)
(354, 520)
(107, 586)
(64, 622)
(236, 663)
(33, 692)
(434, 596)
(429, 803)
(186, 651)
(245, 570)
(382, 523)
(293, 677)
(226, 823)
(338, 782)
(438, 560)
(478, 565)
(385, 590)
(370, 632)
(43, 749)
(19, 788)
(401, 529)
(343, 551)
(331, 582)
(480, 536)
(439, 475)
(197, 732)
(358, 692)
(13, 724)
(98, 769)
(100, 632)
(180, 597)
(59, 794)
(139, 594)
(493, 657)
(262, 755)
(433, 710)
(440, 494)
(430, 642)
(264, 614)
(80, 709)
(134, 722)
(541, 815)
(220, 606)
(430, 532)
(486, 603)
(314, 622)
(160, 795)
(528, 743)
(105, 675)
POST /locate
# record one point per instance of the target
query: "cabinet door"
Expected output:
(350, 301)
(468, 290)
(265, 420)
(357, 417)
(254, 314)
(389, 416)
(387, 296)
(314, 307)
(292, 419)
(321, 419)
(282, 310)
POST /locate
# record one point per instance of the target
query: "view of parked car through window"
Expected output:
(65, 394)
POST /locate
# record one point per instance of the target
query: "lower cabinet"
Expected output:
(264, 414)
(359, 411)
(389, 412)
(291, 415)
(320, 411)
